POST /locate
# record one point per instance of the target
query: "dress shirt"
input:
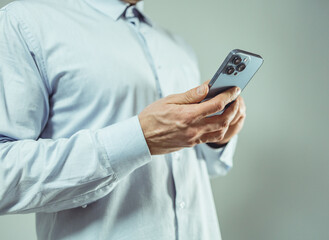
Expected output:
(74, 75)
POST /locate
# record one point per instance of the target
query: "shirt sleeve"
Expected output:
(46, 175)
(219, 160)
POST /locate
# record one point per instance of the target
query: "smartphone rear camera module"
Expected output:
(241, 67)
(229, 70)
(236, 60)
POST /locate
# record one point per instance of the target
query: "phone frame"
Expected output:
(242, 84)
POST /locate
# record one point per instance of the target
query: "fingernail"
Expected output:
(201, 90)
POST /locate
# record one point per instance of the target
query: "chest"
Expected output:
(108, 66)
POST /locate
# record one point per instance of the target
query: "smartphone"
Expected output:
(237, 70)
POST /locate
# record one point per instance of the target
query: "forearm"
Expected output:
(47, 175)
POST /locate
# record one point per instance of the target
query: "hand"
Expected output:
(236, 124)
(180, 120)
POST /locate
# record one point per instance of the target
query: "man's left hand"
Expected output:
(235, 126)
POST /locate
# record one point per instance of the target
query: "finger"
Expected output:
(193, 95)
(234, 129)
(223, 136)
(241, 111)
(207, 82)
(217, 103)
(213, 137)
(217, 122)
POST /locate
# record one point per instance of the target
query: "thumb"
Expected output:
(194, 95)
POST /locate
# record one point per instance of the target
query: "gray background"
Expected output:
(279, 186)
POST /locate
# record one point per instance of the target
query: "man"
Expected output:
(98, 133)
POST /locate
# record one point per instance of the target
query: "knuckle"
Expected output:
(207, 129)
(225, 123)
(221, 134)
(239, 112)
(219, 106)
(181, 125)
(241, 122)
(220, 137)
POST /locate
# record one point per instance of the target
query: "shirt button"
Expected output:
(182, 204)
(84, 206)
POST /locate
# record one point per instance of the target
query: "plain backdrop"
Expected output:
(279, 186)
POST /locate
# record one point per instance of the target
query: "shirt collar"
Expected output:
(115, 8)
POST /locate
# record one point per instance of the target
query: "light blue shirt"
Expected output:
(74, 75)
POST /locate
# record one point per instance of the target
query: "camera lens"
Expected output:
(241, 67)
(236, 60)
(229, 70)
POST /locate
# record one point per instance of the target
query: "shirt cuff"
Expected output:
(125, 146)
(220, 160)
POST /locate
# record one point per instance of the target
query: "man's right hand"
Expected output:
(180, 120)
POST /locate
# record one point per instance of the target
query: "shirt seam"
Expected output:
(33, 44)
(76, 202)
